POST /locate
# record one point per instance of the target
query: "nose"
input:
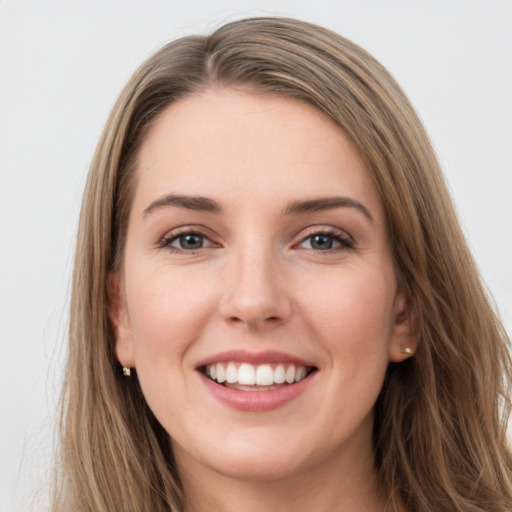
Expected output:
(255, 294)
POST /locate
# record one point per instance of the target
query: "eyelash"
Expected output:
(345, 241)
(167, 240)
(339, 236)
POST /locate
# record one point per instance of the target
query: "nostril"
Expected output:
(263, 321)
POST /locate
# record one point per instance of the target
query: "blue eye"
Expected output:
(326, 242)
(321, 242)
(188, 242)
(185, 242)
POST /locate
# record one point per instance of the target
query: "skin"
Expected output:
(259, 284)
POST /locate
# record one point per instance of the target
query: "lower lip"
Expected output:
(256, 401)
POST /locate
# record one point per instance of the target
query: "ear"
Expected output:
(403, 341)
(120, 322)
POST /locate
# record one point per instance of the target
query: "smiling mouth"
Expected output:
(262, 377)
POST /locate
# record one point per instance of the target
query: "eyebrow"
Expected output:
(326, 203)
(205, 204)
(197, 203)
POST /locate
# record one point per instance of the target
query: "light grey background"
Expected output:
(62, 65)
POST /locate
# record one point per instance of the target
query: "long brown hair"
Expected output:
(440, 422)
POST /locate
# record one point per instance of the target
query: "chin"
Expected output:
(248, 459)
(264, 467)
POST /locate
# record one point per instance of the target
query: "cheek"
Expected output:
(167, 316)
(167, 312)
(350, 319)
(352, 314)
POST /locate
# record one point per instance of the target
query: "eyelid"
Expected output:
(342, 236)
(345, 239)
(165, 241)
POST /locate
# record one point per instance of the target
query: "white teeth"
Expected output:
(231, 374)
(246, 374)
(300, 373)
(264, 375)
(279, 374)
(221, 374)
(290, 375)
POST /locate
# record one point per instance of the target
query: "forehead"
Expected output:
(239, 146)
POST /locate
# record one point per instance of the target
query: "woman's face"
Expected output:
(257, 255)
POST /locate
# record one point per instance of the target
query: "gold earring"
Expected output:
(126, 371)
(405, 350)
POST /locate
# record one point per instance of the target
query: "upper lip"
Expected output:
(261, 357)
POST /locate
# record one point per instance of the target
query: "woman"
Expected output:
(274, 307)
